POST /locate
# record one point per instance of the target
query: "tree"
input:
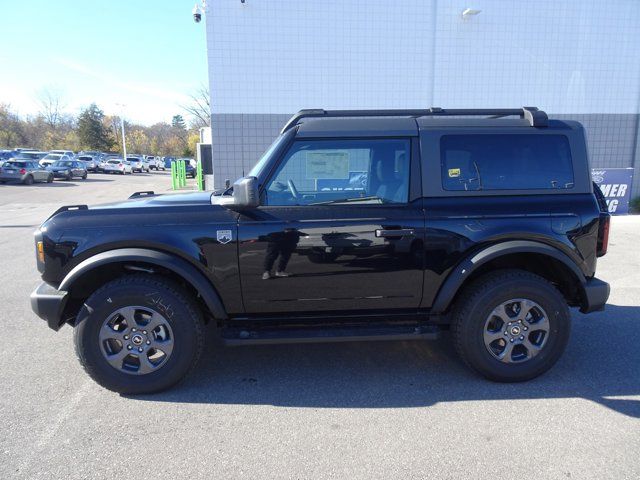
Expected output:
(92, 132)
(199, 108)
(52, 106)
(178, 122)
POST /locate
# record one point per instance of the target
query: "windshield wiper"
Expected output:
(350, 200)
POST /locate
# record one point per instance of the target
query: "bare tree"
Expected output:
(199, 108)
(52, 105)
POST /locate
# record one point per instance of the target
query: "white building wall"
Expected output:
(270, 58)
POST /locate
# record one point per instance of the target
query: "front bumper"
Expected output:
(596, 294)
(61, 174)
(48, 303)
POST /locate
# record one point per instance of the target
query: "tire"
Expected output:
(151, 293)
(84, 176)
(69, 177)
(473, 318)
(50, 179)
(28, 180)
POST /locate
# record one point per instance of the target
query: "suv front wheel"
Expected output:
(511, 325)
(139, 334)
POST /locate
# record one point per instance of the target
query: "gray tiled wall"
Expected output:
(240, 139)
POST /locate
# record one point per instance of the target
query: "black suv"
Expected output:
(354, 225)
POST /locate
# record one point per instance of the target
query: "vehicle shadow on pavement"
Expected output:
(602, 361)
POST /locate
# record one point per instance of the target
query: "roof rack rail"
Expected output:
(535, 117)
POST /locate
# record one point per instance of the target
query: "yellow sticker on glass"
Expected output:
(454, 172)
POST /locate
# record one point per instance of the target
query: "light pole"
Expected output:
(124, 141)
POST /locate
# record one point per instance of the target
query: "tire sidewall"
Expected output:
(165, 301)
(472, 330)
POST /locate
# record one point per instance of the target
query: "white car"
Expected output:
(52, 158)
(68, 153)
(156, 163)
(117, 165)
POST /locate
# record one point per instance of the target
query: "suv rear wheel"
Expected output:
(511, 325)
(139, 334)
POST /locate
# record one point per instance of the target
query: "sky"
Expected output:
(146, 54)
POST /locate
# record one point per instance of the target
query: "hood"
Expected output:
(170, 199)
(190, 208)
(59, 169)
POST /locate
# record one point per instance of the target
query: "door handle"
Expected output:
(400, 232)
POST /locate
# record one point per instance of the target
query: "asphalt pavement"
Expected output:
(345, 411)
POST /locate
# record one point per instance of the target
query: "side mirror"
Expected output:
(245, 193)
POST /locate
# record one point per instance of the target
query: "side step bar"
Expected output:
(273, 336)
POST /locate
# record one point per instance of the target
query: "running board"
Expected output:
(273, 336)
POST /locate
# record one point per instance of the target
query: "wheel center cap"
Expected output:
(515, 331)
(137, 340)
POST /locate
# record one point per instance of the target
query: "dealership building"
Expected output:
(573, 59)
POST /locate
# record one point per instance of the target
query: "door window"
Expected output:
(342, 171)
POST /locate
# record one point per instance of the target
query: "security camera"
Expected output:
(197, 13)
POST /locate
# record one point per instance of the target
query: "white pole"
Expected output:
(124, 140)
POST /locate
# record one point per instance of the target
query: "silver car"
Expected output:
(89, 161)
(24, 171)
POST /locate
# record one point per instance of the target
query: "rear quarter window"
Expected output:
(505, 162)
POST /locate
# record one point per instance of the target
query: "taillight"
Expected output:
(603, 234)
(23, 171)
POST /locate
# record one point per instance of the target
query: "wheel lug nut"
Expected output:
(144, 331)
(133, 329)
(511, 340)
(129, 347)
(525, 329)
(521, 337)
(140, 349)
(148, 342)
(506, 333)
(126, 337)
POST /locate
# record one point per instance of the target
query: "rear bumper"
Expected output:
(596, 295)
(48, 303)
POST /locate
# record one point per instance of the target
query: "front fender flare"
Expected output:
(463, 270)
(176, 264)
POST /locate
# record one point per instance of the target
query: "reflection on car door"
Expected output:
(355, 255)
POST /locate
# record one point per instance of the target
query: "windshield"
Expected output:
(264, 159)
(114, 162)
(63, 164)
(86, 159)
(52, 156)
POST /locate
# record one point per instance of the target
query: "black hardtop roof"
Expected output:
(319, 122)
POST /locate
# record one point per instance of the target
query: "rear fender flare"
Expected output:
(465, 268)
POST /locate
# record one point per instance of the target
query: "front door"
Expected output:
(339, 228)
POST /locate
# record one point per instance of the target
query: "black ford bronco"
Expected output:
(354, 225)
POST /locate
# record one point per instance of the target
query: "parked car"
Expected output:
(6, 155)
(90, 161)
(117, 166)
(105, 158)
(156, 163)
(137, 164)
(68, 153)
(24, 171)
(189, 166)
(67, 169)
(31, 155)
(460, 220)
(52, 158)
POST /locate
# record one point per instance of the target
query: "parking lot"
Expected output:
(355, 410)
